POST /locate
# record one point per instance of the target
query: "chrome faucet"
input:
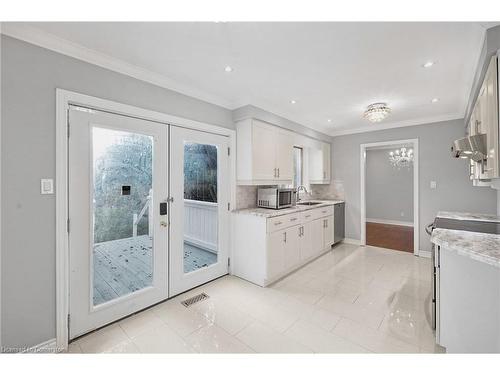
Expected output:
(299, 188)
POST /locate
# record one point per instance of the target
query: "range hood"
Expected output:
(472, 147)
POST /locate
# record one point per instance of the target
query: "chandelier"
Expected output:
(402, 157)
(376, 112)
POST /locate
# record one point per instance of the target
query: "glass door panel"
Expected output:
(122, 213)
(200, 206)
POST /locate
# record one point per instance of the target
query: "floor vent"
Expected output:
(197, 298)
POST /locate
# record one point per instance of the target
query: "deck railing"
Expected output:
(200, 224)
(137, 218)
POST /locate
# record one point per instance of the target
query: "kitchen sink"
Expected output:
(308, 203)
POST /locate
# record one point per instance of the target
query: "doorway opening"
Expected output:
(389, 195)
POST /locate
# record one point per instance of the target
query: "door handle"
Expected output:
(284, 237)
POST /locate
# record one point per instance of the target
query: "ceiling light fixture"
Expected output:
(435, 100)
(377, 112)
(293, 101)
(402, 157)
(428, 64)
(329, 120)
(228, 69)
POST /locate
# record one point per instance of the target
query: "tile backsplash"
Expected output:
(246, 196)
(335, 190)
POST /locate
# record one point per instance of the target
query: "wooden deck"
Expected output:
(125, 266)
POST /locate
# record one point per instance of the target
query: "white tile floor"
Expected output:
(352, 299)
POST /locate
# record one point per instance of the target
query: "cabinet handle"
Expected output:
(284, 237)
(278, 223)
(308, 216)
(324, 174)
(278, 172)
(293, 219)
(274, 174)
(478, 123)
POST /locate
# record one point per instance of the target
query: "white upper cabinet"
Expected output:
(319, 163)
(264, 153)
(490, 116)
(484, 120)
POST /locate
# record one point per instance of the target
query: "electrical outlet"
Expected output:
(433, 184)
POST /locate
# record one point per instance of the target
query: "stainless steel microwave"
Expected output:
(275, 198)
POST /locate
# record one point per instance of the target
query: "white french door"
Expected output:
(118, 235)
(148, 214)
(199, 190)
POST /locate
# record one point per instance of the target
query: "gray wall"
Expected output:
(30, 76)
(389, 190)
(454, 190)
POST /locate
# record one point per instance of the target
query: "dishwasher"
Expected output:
(339, 222)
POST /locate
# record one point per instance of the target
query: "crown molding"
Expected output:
(400, 124)
(54, 43)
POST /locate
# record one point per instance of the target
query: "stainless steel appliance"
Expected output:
(276, 197)
(339, 220)
(455, 224)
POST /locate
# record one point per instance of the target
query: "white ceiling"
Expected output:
(333, 70)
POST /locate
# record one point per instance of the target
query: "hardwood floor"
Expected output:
(389, 236)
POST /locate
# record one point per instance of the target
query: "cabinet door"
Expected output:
(276, 253)
(306, 241)
(284, 154)
(315, 163)
(491, 119)
(263, 151)
(317, 236)
(326, 152)
(292, 247)
(328, 232)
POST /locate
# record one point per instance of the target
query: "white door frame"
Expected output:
(63, 99)
(362, 159)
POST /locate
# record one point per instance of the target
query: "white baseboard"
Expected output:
(49, 346)
(351, 241)
(424, 254)
(390, 222)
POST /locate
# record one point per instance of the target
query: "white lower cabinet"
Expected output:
(276, 253)
(328, 231)
(292, 247)
(266, 249)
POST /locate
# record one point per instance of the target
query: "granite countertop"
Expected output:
(483, 247)
(268, 212)
(468, 216)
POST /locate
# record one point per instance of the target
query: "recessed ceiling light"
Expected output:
(228, 69)
(293, 101)
(435, 100)
(329, 120)
(428, 64)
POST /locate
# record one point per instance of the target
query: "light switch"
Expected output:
(46, 186)
(433, 184)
